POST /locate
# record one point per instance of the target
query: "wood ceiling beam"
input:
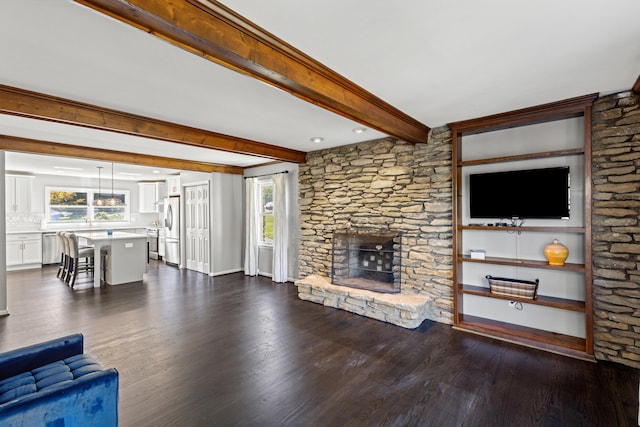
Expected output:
(213, 31)
(20, 102)
(32, 146)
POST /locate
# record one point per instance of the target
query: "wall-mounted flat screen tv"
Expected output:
(524, 194)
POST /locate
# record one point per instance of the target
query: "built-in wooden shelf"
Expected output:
(530, 156)
(535, 229)
(530, 337)
(522, 263)
(561, 110)
(547, 301)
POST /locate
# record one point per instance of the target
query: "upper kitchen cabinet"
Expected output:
(150, 196)
(173, 186)
(18, 193)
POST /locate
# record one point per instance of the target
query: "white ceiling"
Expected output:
(438, 61)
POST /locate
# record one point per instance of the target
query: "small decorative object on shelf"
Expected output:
(513, 287)
(556, 253)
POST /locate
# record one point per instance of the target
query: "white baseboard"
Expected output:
(269, 275)
(222, 273)
(4, 312)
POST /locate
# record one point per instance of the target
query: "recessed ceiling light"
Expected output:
(156, 171)
(317, 139)
(67, 168)
(359, 130)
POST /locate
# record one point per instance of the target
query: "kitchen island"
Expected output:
(127, 260)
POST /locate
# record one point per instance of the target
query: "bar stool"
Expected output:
(77, 255)
(66, 268)
(63, 255)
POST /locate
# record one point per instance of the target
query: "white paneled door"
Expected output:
(197, 228)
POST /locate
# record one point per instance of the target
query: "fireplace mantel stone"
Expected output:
(406, 310)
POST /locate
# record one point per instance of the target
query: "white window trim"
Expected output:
(90, 194)
(260, 184)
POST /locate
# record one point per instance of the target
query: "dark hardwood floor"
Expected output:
(235, 351)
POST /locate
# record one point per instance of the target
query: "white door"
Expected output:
(189, 223)
(203, 228)
(197, 228)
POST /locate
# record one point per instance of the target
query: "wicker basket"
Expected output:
(513, 287)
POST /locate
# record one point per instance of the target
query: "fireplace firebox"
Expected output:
(367, 259)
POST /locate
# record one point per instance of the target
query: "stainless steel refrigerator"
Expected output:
(172, 230)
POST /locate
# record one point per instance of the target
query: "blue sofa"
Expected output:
(55, 384)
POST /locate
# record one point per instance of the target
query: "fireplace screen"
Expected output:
(367, 260)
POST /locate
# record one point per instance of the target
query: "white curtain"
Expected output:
(251, 229)
(280, 228)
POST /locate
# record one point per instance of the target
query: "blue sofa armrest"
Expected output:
(91, 400)
(27, 358)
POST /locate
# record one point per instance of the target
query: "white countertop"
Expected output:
(75, 230)
(24, 232)
(117, 235)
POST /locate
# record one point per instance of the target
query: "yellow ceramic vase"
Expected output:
(556, 253)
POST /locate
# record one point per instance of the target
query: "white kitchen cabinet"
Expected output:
(173, 186)
(149, 195)
(14, 253)
(18, 194)
(161, 241)
(24, 250)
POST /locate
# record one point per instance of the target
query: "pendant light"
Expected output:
(98, 200)
(113, 201)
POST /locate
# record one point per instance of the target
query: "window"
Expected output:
(77, 205)
(68, 206)
(265, 194)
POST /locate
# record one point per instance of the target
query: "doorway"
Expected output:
(197, 247)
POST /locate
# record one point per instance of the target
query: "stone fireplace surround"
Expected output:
(386, 185)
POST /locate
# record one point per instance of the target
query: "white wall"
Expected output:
(226, 222)
(226, 238)
(265, 253)
(3, 244)
(558, 135)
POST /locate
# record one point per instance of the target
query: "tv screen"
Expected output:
(532, 193)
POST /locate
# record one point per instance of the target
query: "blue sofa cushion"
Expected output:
(17, 381)
(52, 374)
(17, 393)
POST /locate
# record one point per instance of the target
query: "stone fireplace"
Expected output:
(367, 259)
(396, 189)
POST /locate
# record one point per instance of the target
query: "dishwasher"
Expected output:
(50, 253)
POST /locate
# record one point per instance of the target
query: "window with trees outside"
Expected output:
(77, 205)
(265, 192)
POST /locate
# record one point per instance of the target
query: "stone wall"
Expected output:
(387, 185)
(616, 228)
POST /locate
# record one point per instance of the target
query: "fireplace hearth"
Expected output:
(367, 259)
